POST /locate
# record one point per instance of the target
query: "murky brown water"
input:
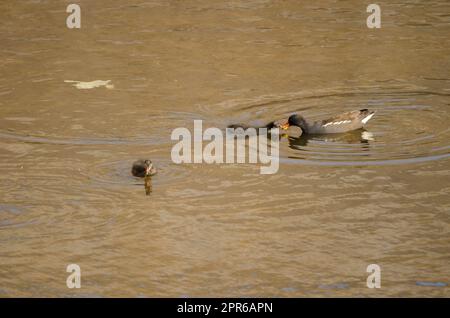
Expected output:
(336, 205)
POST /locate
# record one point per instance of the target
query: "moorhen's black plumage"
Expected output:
(338, 124)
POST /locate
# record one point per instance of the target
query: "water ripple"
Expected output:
(410, 125)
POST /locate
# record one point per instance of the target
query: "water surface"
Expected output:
(337, 204)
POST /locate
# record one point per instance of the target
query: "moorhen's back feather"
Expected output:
(338, 124)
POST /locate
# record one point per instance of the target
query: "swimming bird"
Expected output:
(338, 124)
(143, 168)
(268, 126)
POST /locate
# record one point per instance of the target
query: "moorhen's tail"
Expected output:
(366, 115)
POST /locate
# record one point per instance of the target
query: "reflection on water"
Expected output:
(354, 143)
(337, 203)
(148, 185)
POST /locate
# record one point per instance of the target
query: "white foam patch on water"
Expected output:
(92, 84)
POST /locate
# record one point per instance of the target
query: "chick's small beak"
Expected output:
(284, 126)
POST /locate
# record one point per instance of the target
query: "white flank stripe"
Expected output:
(337, 123)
